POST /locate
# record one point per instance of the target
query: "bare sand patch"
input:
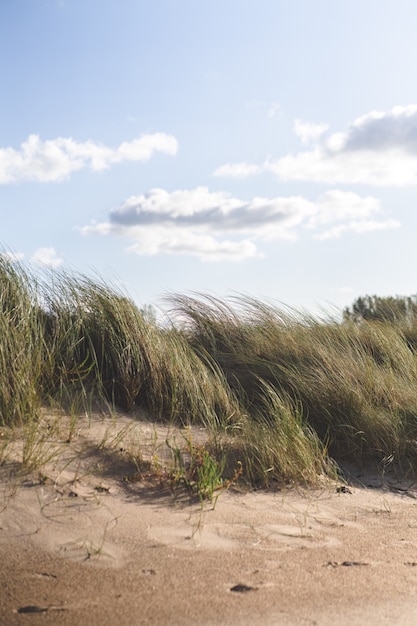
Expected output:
(88, 540)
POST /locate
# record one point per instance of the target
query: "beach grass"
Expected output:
(284, 396)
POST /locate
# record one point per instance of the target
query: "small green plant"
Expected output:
(198, 470)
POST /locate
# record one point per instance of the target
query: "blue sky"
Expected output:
(262, 147)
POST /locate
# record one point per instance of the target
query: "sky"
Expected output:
(257, 147)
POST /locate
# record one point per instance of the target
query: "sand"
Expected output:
(85, 541)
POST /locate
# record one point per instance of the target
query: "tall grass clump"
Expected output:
(354, 384)
(276, 444)
(66, 338)
(95, 337)
(98, 339)
(180, 387)
(21, 344)
(359, 385)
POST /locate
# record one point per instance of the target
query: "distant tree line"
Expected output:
(383, 309)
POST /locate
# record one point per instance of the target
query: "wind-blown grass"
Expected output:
(354, 384)
(99, 342)
(279, 392)
(21, 345)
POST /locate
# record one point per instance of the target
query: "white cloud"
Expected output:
(358, 227)
(335, 205)
(345, 212)
(217, 226)
(307, 131)
(237, 170)
(184, 241)
(389, 168)
(46, 256)
(379, 148)
(216, 212)
(378, 130)
(56, 159)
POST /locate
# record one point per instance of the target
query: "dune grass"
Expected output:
(352, 385)
(21, 345)
(283, 396)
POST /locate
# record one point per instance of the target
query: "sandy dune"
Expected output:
(84, 542)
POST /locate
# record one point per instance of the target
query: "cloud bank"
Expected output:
(215, 226)
(379, 148)
(56, 159)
